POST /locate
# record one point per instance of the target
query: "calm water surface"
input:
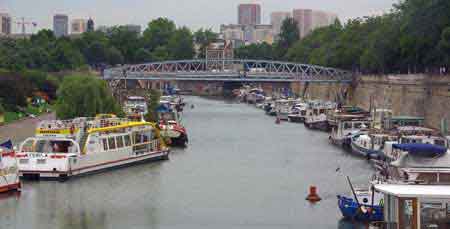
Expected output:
(239, 171)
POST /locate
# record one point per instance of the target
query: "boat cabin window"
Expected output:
(322, 111)
(119, 141)
(105, 144)
(434, 213)
(357, 125)
(142, 137)
(127, 140)
(440, 142)
(111, 143)
(347, 125)
(49, 146)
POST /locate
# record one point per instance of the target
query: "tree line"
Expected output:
(413, 37)
(162, 40)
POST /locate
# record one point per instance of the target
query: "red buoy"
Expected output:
(312, 196)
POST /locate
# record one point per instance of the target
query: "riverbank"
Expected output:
(21, 129)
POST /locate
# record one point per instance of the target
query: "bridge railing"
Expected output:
(225, 68)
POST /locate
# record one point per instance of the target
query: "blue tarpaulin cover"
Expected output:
(8, 144)
(163, 109)
(420, 149)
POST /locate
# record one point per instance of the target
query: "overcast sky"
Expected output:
(192, 13)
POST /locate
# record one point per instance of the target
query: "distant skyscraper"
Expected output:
(60, 25)
(249, 14)
(79, 26)
(5, 24)
(308, 20)
(90, 25)
(276, 19)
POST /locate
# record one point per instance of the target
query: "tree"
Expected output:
(143, 55)
(114, 56)
(204, 38)
(181, 45)
(288, 36)
(444, 47)
(158, 33)
(160, 54)
(152, 104)
(65, 56)
(85, 96)
(126, 41)
(14, 90)
(262, 51)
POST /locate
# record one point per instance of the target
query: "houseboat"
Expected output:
(334, 114)
(135, 106)
(298, 113)
(346, 127)
(415, 206)
(385, 128)
(172, 131)
(283, 108)
(9, 172)
(316, 116)
(66, 148)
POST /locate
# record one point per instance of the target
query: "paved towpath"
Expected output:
(20, 130)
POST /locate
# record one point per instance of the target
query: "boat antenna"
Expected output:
(353, 191)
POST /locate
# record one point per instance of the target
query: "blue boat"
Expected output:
(352, 210)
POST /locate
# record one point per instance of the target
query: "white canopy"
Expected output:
(411, 191)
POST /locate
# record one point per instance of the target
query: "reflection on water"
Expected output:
(239, 171)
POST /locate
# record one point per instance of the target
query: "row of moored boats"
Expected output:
(412, 162)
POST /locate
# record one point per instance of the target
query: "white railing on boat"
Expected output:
(146, 147)
(81, 123)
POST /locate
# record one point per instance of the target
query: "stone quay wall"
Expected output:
(413, 95)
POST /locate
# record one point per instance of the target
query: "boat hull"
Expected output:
(351, 210)
(363, 151)
(9, 183)
(92, 164)
(296, 119)
(322, 125)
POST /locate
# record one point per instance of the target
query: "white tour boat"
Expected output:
(63, 149)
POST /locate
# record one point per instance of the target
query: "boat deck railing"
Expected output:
(79, 123)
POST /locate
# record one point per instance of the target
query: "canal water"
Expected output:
(240, 170)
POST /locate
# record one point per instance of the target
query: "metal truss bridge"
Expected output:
(228, 70)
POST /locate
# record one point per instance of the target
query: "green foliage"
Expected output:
(85, 96)
(444, 46)
(203, 38)
(14, 90)
(126, 41)
(255, 51)
(181, 45)
(288, 36)
(158, 33)
(2, 109)
(160, 54)
(143, 55)
(152, 104)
